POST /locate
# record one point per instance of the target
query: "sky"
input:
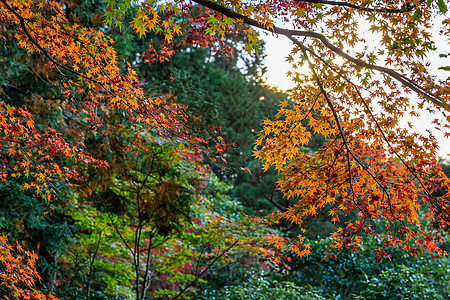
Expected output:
(278, 48)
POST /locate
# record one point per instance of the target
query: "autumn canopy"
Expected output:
(361, 74)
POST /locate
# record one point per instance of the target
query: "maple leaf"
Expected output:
(30, 124)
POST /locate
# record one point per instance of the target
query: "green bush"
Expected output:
(261, 286)
(399, 283)
(356, 275)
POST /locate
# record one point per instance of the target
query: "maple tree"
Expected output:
(125, 134)
(370, 168)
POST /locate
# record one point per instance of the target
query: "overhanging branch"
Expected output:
(377, 124)
(349, 152)
(367, 9)
(291, 33)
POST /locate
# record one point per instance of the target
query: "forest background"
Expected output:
(130, 174)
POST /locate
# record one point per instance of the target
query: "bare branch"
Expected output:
(279, 206)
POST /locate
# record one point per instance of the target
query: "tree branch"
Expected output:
(46, 54)
(205, 270)
(289, 33)
(404, 9)
(279, 206)
(338, 123)
(369, 112)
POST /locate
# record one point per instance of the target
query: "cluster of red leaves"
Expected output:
(36, 154)
(197, 28)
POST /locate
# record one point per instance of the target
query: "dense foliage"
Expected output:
(127, 152)
(352, 275)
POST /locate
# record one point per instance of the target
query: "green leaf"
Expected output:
(119, 24)
(108, 18)
(417, 15)
(442, 6)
